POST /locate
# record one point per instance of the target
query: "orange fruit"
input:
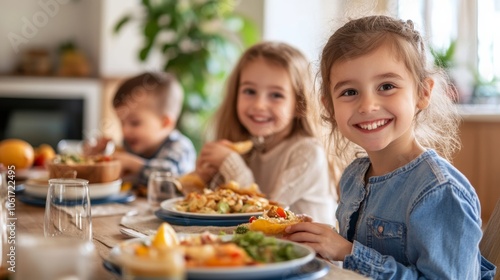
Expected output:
(46, 150)
(16, 152)
(43, 154)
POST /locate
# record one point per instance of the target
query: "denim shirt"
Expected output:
(421, 221)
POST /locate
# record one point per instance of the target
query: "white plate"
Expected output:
(39, 188)
(246, 272)
(169, 206)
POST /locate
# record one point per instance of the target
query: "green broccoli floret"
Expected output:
(241, 230)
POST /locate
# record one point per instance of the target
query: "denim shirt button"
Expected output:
(380, 229)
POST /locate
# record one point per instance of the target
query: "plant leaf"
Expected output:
(249, 32)
(444, 58)
(144, 52)
(451, 50)
(151, 29)
(121, 23)
(147, 5)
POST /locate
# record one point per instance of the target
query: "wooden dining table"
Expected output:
(106, 233)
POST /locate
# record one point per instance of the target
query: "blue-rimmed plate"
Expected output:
(189, 221)
(314, 269)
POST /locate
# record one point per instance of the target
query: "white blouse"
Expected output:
(294, 173)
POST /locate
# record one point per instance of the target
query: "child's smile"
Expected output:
(373, 125)
(260, 119)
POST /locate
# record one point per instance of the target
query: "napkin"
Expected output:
(109, 209)
(113, 209)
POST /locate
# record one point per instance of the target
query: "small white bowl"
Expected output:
(39, 187)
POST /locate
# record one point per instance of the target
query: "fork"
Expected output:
(132, 233)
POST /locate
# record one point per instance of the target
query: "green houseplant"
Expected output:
(199, 40)
(444, 59)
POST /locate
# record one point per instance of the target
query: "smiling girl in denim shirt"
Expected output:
(405, 212)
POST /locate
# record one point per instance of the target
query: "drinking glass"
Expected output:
(67, 209)
(162, 185)
(54, 258)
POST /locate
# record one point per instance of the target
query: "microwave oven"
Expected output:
(49, 109)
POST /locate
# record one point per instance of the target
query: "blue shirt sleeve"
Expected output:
(177, 155)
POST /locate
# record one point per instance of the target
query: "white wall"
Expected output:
(290, 21)
(90, 24)
(119, 51)
(46, 24)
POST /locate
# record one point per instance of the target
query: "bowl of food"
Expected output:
(96, 169)
(153, 257)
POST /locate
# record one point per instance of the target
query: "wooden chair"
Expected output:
(490, 243)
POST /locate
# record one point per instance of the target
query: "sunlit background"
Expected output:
(34, 32)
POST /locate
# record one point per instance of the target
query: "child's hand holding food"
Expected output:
(214, 153)
(320, 237)
(100, 146)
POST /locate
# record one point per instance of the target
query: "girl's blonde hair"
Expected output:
(436, 126)
(227, 124)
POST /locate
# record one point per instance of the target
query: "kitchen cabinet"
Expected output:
(479, 159)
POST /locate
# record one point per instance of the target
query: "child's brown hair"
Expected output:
(163, 87)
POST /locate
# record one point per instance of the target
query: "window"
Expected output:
(476, 62)
(488, 38)
(439, 27)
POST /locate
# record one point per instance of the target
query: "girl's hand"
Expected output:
(213, 154)
(322, 238)
(304, 217)
(206, 172)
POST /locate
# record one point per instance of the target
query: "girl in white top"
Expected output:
(268, 98)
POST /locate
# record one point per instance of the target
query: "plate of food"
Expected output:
(221, 203)
(314, 269)
(207, 256)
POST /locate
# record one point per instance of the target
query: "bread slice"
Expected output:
(242, 147)
(191, 182)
